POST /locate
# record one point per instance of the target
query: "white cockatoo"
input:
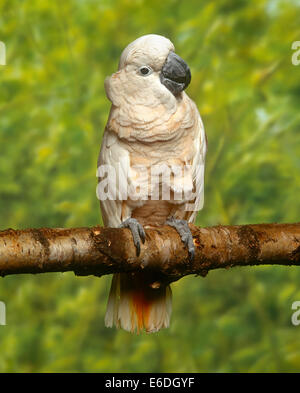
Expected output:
(152, 124)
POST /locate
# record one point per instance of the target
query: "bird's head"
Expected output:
(148, 68)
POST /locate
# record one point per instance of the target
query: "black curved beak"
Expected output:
(175, 74)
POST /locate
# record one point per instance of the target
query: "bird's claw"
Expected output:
(137, 231)
(185, 234)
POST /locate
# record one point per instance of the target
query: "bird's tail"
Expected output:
(134, 305)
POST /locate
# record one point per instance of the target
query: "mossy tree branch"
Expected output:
(100, 251)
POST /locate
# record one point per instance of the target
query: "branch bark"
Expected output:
(100, 251)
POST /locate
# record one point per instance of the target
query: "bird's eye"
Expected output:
(145, 70)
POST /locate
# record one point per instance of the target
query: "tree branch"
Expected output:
(100, 251)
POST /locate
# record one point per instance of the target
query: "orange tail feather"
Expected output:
(134, 306)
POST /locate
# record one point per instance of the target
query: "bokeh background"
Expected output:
(52, 114)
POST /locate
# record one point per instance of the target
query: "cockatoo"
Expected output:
(152, 123)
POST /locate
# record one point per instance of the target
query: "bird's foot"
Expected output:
(137, 231)
(184, 231)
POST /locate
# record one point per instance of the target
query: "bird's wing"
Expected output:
(113, 165)
(198, 166)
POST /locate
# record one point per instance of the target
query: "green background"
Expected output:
(53, 111)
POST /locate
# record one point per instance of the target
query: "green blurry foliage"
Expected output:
(53, 111)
